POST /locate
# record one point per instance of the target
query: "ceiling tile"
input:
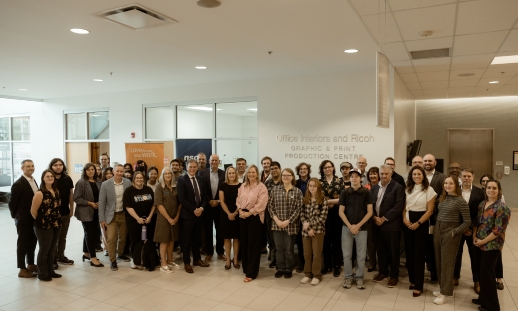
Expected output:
(507, 53)
(409, 77)
(397, 5)
(487, 89)
(367, 7)
(463, 83)
(382, 30)
(434, 85)
(501, 80)
(513, 81)
(395, 51)
(432, 64)
(417, 92)
(479, 43)
(471, 61)
(439, 19)
(403, 66)
(435, 91)
(498, 72)
(486, 16)
(511, 43)
(468, 89)
(429, 44)
(478, 74)
(433, 76)
(413, 85)
(459, 95)
(509, 88)
(483, 94)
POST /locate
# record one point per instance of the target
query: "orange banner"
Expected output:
(151, 153)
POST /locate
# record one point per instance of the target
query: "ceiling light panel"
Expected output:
(512, 59)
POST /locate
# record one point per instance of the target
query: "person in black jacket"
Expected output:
(22, 192)
(473, 197)
(395, 176)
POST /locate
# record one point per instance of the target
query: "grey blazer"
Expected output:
(107, 199)
(82, 195)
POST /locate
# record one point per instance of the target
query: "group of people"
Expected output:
(355, 220)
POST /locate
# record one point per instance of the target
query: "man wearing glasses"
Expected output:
(395, 176)
(274, 180)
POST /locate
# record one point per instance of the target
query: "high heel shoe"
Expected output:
(87, 258)
(236, 265)
(97, 266)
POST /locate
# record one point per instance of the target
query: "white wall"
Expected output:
(404, 123)
(160, 123)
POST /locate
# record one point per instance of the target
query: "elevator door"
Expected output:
(472, 148)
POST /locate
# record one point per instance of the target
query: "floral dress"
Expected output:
(49, 216)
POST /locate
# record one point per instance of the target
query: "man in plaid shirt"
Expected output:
(284, 206)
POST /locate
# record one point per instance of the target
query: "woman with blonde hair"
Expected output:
(228, 220)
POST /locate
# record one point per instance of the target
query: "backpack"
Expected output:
(145, 255)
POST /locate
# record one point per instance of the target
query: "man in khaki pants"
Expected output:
(112, 214)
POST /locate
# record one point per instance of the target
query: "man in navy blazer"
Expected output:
(212, 178)
(389, 197)
(192, 198)
(20, 204)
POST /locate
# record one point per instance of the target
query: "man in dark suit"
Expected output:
(389, 197)
(473, 196)
(212, 178)
(191, 196)
(20, 203)
(395, 176)
(436, 180)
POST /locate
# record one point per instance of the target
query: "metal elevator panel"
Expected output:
(472, 148)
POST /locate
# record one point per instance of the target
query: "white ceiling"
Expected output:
(476, 31)
(39, 53)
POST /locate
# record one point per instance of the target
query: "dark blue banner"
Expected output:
(189, 148)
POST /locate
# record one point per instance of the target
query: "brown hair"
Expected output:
(319, 196)
(458, 191)
(497, 185)
(301, 164)
(289, 170)
(410, 183)
(227, 181)
(43, 188)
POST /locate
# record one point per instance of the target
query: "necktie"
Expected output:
(196, 192)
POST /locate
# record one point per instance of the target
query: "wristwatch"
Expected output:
(419, 222)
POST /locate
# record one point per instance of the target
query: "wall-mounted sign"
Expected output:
(189, 148)
(151, 153)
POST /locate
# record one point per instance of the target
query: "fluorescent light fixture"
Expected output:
(199, 108)
(252, 109)
(98, 80)
(25, 90)
(219, 109)
(201, 67)
(505, 60)
(494, 82)
(350, 51)
(95, 115)
(79, 31)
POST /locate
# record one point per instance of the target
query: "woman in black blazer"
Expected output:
(86, 196)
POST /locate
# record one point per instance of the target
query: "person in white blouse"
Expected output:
(420, 204)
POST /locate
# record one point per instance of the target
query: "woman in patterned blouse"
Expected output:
(493, 218)
(45, 209)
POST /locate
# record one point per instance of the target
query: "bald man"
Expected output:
(418, 161)
(212, 178)
(362, 165)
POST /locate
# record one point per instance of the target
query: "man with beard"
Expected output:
(176, 168)
(202, 161)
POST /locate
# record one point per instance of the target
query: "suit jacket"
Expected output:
(477, 196)
(205, 178)
(437, 184)
(392, 205)
(107, 199)
(20, 201)
(399, 179)
(186, 196)
(82, 195)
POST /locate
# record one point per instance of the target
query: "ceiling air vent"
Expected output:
(135, 17)
(430, 53)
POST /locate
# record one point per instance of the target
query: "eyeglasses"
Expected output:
(328, 167)
(286, 175)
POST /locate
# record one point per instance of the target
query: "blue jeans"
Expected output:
(361, 251)
(284, 244)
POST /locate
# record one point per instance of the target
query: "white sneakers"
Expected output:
(173, 264)
(166, 269)
(437, 293)
(314, 281)
(132, 265)
(441, 299)
(305, 280)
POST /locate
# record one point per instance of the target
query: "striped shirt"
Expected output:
(315, 215)
(286, 205)
(455, 209)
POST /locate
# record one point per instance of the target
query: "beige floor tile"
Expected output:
(79, 304)
(268, 300)
(175, 302)
(341, 305)
(200, 304)
(245, 295)
(223, 290)
(102, 307)
(295, 302)
(226, 307)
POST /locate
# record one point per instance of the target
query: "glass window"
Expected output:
(21, 151)
(21, 128)
(99, 125)
(195, 121)
(230, 150)
(160, 123)
(76, 126)
(4, 129)
(236, 119)
(5, 164)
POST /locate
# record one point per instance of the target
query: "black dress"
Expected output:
(229, 229)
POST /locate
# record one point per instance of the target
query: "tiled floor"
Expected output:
(87, 288)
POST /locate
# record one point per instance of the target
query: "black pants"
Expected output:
(211, 216)
(48, 240)
(387, 248)
(269, 235)
(91, 235)
(415, 249)
(332, 250)
(488, 296)
(472, 256)
(499, 270)
(190, 230)
(300, 247)
(135, 233)
(250, 240)
(26, 244)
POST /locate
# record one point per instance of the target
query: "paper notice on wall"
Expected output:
(78, 168)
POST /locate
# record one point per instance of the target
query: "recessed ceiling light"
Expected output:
(25, 90)
(201, 67)
(467, 74)
(505, 60)
(199, 108)
(252, 109)
(79, 31)
(98, 80)
(494, 82)
(350, 51)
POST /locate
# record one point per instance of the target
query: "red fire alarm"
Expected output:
(132, 134)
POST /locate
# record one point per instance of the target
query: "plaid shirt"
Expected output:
(316, 215)
(286, 205)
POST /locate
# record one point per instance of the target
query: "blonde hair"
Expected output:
(162, 181)
(227, 181)
(246, 181)
(319, 196)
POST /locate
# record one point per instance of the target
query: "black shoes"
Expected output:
(288, 274)
(100, 265)
(55, 265)
(55, 275)
(123, 258)
(66, 261)
(45, 279)
(300, 268)
(272, 264)
(336, 272)
(279, 274)
(85, 258)
(326, 270)
(113, 266)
